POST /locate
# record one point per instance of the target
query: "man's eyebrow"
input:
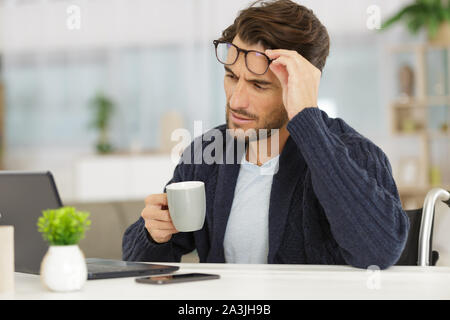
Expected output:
(257, 81)
(227, 69)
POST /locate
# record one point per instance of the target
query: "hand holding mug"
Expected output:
(157, 218)
(183, 209)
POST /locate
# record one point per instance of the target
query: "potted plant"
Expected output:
(63, 267)
(432, 15)
(102, 111)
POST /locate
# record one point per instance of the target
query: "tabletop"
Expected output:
(261, 282)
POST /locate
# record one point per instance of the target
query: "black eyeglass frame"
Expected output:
(239, 50)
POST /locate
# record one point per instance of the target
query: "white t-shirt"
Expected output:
(247, 232)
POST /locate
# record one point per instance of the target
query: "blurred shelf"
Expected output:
(413, 197)
(426, 102)
(423, 133)
(440, 135)
(413, 190)
(412, 47)
(415, 134)
(417, 114)
(418, 190)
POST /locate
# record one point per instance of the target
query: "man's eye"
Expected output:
(230, 76)
(257, 86)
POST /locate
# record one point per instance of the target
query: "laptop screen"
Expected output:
(23, 196)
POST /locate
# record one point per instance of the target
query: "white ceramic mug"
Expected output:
(187, 205)
(6, 259)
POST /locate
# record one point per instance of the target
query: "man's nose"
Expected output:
(239, 96)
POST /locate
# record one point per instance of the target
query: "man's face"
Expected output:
(253, 101)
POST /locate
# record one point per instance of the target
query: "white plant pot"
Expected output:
(63, 268)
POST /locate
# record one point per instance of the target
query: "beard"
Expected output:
(273, 121)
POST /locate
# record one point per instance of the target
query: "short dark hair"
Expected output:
(282, 24)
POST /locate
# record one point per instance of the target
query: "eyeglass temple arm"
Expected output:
(431, 198)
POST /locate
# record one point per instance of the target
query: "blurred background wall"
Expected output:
(154, 60)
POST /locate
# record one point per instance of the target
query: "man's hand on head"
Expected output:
(298, 77)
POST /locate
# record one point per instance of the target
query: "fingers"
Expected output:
(157, 199)
(285, 57)
(291, 64)
(275, 54)
(162, 225)
(282, 68)
(157, 220)
(289, 55)
(160, 228)
(159, 235)
(155, 213)
(290, 69)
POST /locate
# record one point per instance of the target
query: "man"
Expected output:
(332, 198)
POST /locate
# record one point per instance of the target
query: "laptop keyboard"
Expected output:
(109, 268)
(105, 268)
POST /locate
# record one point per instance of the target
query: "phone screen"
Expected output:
(175, 278)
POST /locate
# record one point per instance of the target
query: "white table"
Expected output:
(261, 282)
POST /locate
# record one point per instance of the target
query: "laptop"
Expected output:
(23, 196)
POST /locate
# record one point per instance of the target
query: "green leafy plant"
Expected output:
(63, 226)
(428, 14)
(102, 112)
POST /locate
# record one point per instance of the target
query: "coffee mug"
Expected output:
(187, 205)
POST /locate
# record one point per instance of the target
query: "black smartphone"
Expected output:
(175, 278)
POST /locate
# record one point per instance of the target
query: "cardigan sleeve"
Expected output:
(137, 243)
(352, 180)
